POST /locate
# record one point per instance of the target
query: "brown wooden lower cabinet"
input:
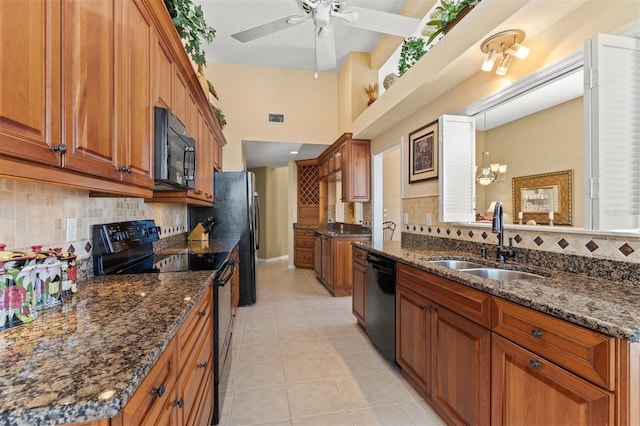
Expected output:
(359, 285)
(335, 269)
(303, 244)
(179, 388)
(522, 367)
(528, 390)
(445, 356)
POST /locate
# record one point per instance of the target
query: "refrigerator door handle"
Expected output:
(256, 218)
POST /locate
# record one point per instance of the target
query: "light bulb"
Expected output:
(502, 169)
(504, 65)
(520, 51)
(489, 61)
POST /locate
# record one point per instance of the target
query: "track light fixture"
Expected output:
(506, 43)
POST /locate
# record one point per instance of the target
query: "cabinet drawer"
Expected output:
(304, 242)
(154, 394)
(198, 320)
(194, 377)
(585, 352)
(309, 233)
(360, 256)
(468, 302)
(303, 257)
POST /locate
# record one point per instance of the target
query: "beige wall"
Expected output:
(35, 213)
(392, 198)
(272, 187)
(557, 41)
(356, 73)
(548, 141)
(247, 94)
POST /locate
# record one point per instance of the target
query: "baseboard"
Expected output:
(273, 259)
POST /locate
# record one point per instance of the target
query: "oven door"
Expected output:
(222, 334)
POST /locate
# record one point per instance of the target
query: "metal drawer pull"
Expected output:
(535, 364)
(202, 365)
(179, 403)
(202, 313)
(536, 333)
(428, 309)
(158, 391)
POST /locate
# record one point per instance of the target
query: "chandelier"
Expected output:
(490, 172)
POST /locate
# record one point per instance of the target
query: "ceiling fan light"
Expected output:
(489, 61)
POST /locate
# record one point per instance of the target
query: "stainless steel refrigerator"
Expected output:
(236, 212)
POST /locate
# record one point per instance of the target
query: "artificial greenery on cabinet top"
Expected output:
(443, 14)
(191, 26)
(413, 48)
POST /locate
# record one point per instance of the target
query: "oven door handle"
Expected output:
(226, 274)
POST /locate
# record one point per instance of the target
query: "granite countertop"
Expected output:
(344, 232)
(83, 361)
(607, 306)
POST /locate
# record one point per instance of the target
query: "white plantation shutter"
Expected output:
(612, 129)
(457, 153)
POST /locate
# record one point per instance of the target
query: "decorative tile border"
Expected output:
(539, 238)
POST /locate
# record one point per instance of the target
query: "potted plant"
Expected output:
(191, 26)
(446, 15)
(413, 48)
(219, 115)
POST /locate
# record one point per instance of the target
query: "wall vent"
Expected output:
(276, 118)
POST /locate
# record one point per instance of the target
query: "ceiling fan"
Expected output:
(322, 12)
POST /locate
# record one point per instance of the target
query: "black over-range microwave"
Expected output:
(175, 153)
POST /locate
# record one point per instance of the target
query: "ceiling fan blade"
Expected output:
(268, 28)
(384, 22)
(325, 50)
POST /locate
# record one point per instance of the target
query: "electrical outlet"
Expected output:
(429, 219)
(72, 229)
(385, 213)
(406, 218)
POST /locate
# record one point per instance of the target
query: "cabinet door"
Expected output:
(30, 80)
(136, 145)
(526, 389)
(359, 291)
(89, 60)
(209, 145)
(327, 261)
(179, 101)
(413, 334)
(162, 72)
(317, 255)
(356, 174)
(460, 368)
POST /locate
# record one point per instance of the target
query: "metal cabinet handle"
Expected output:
(428, 309)
(535, 364)
(536, 333)
(125, 169)
(179, 403)
(203, 365)
(202, 313)
(62, 148)
(158, 391)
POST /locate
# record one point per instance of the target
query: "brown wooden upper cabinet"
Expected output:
(351, 157)
(79, 82)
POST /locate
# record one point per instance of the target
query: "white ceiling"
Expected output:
(291, 48)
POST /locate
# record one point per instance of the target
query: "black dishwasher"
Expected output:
(380, 304)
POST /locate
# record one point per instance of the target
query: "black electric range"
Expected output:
(127, 248)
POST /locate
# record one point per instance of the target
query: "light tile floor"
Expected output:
(300, 359)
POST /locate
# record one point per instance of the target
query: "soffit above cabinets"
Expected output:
(454, 59)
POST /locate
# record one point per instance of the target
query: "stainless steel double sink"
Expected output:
(483, 271)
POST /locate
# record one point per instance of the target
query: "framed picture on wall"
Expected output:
(423, 153)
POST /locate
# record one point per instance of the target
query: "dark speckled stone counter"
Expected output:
(84, 360)
(345, 231)
(218, 245)
(610, 307)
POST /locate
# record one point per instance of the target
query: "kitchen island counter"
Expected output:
(83, 361)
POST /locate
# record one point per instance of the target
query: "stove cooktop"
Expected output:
(159, 263)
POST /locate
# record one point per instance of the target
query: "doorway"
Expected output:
(387, 190)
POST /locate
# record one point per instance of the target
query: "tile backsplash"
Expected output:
(622, 248)
(35, 213)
